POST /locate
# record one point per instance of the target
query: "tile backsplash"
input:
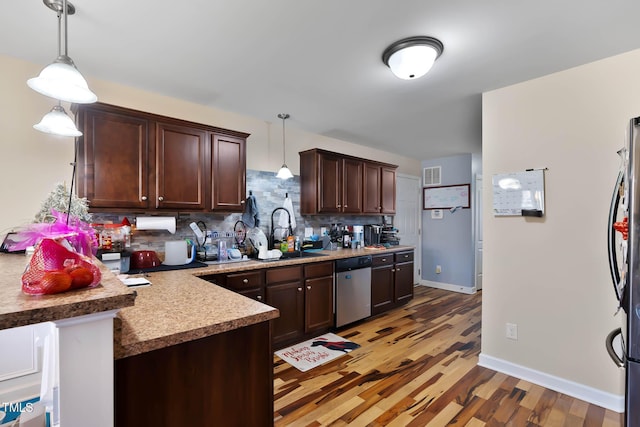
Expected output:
(269, 192)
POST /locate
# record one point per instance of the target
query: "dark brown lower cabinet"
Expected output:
(382, 286)
(403, 266)
(288, 298)
(391, 280)
(224, 379)
(304, 297)
(318, 300)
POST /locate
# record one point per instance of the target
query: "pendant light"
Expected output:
(57, 122)
(284, 172)
(61, 79)
(412, 57)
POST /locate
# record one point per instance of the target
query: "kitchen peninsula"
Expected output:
(84, 320)
(188, 350)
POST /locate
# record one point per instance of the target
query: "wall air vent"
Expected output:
(431, 176)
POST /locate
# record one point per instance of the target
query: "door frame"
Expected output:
(417, 267)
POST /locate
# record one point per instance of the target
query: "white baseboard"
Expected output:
(449, 287)
(601, 398)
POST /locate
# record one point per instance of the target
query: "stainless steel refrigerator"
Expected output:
(624, 262)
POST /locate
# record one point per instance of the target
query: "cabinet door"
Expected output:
(113, 159)
(352, 186)
(382, 289)
(288, 298)
(180, 167)
(330, 184)
(228, 173)
(318, 303)
(371, 188)
(388, 190)
(403, 282)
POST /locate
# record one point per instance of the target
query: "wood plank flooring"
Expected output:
(417, 366)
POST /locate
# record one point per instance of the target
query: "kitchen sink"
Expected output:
(306, 254)
(303, 254)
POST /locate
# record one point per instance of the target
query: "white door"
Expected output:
(477, 226)
(407, 219)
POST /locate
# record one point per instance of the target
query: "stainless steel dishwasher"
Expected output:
(353, 289)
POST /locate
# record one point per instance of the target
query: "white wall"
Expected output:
(550, 276)
(32, 162)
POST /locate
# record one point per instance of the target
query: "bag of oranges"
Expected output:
(56, 267)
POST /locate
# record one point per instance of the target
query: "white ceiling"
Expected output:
(320, 61)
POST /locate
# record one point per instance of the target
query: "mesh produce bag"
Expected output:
(55, 267)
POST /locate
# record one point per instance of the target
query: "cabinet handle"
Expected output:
(393, 270)
(406, 256)
(161, 198)
(397, 269)
(245, 281)
(144, 198)
(259, 297)
(308, 288)
(241, 201)
(299, 289)
(346, 206)
(339, 206)
(384, 260)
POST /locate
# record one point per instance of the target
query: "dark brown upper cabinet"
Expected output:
(333, 183)
(130, 160)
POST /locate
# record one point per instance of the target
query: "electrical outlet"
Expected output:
(512, 331)
(438, 269)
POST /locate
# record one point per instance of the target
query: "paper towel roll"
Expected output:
(156, 223)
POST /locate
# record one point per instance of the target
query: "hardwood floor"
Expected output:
(417, 366)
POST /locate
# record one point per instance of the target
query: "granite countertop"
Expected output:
(19, 309)
(177, 307)
(180, 307)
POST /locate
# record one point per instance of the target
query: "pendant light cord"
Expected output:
(283, 116)
(284, 152)
(73, 176)
(64, 14)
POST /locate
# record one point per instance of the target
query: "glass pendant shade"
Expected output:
(57, 122)
(284, 173)
(412, 62)
(62, 80)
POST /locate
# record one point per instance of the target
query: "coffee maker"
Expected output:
(372, 233)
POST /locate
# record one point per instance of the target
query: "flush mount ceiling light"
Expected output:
(412, 57)
(61, 79)
(284, 172)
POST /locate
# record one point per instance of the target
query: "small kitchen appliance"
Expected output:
(178, 252)
(372, 234)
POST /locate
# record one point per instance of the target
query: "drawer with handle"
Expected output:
(253, 279)
(406, 256)
(379, 260)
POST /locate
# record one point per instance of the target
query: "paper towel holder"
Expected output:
(156, 223)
